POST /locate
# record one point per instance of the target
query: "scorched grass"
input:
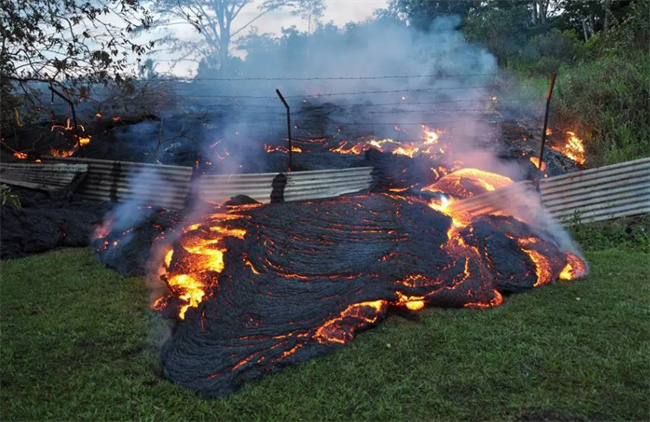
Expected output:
(79, 343)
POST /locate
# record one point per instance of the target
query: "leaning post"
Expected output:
(277, 91)
(541, 148)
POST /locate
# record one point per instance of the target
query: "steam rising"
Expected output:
(381, 78)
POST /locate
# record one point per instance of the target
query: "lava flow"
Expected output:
(255, 288)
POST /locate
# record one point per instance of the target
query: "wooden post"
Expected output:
(541, 148)
(277, 91)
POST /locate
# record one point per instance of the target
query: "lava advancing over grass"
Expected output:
(255, 288)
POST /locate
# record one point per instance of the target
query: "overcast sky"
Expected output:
(340, 12)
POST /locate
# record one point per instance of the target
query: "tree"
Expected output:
(65, 43)
(420, 13)
(592, 16)
(503, 31)
(218, 22)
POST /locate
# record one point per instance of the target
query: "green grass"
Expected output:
(78, 343)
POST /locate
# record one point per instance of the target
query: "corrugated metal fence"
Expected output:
(599, 194)
(299, 185)
(592, 195)
(169, 186)
(118, 181)
(46, 177)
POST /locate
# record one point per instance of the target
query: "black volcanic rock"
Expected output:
(306, 276)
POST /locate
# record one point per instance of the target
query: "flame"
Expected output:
(573, 149)
(79, 139)
(61, 153)
(430, 136)
(356, 149)
(20, 155)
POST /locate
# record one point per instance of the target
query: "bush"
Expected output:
(545, 53)
(606, 102)
(631, 233)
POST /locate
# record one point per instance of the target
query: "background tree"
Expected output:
(420, 13)
(69, 44)
(219, 21)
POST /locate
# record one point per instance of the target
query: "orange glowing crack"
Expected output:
(542, 267)
(496, 300)
(329, 332)
(206, 251)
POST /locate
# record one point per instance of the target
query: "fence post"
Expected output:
(277, 91)
(541, 148)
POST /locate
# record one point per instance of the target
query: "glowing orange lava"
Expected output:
(202, 258)
(535, 161)
(467, 182)
(280, 148)
(330, 332)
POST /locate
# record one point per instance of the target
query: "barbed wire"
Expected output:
(232, 106)
(324, 78)
(332, 94)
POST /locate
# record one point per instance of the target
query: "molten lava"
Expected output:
(280, 148)
(467, 182)
(255, 288)
(535, 162)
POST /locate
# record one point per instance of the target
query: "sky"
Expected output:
(340, 12)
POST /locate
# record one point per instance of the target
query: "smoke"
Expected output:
(144, 190)
(379, 78)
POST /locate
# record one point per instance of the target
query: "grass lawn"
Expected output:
(78, 342)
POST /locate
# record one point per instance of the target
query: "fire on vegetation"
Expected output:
(573, 148)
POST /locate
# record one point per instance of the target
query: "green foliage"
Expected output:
(631, 233)
(545, 53)
(603, 85)
(501, 31)
(78, 343)
(7, 197)
(606, 98)
(67, 44)
(421, 13)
